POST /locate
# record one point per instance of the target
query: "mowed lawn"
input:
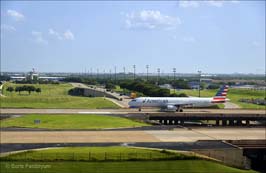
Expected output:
(75, 121)
(178, 166)
(233, 94)
(52, 96)
(147, 161)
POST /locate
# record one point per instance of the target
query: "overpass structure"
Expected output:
(220, 118)
(92, 91)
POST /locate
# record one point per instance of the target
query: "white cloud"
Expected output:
(38, 37)
(215, 3)
(188, 3)
(235, 2)
(255, 43)
(150, 19)
(8, 28)
(174, 37)
(15, 15)
(55, 33)
(189, 39)
(68, 35)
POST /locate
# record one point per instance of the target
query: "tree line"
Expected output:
(149, 89)
(28, 88)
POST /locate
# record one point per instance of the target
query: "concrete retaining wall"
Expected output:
(90, 92)
(231, 157)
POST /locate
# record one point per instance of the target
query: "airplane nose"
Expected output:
(132, 104)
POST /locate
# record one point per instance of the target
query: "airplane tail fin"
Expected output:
(220, 96)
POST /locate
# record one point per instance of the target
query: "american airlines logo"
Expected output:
(154, 101)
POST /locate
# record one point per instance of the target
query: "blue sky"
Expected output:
(65, 36)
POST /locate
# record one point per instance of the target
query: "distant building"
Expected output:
(32, 75)
(51, 78)
(240, 86)
(193, 84)
(207, 81)
(166, 86)
(17, 78)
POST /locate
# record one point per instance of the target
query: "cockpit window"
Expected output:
(134, 100)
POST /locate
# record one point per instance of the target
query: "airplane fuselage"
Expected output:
(174, 101)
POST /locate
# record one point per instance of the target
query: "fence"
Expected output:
(105, 156)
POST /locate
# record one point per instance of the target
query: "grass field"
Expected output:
(52, 96)
(70, 122)
(179, 166)
(233, 94)
(63, 160)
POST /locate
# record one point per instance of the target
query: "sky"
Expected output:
(67, 36)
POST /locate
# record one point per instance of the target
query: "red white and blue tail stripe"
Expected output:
(220, 96)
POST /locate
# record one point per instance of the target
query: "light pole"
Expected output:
(124, 68)
(199, 81)
(158, 77)
(110, 71)
(115, 74)
(174, 70)
(97, 73)
(147, 67)
(134, 67)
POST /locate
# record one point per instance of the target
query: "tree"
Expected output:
(109, 85)
(18, 89)
(182, 95)
(213, 86)
(10, 89)
(38, 90)
(30, 89)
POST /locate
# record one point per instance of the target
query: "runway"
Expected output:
(175, 135)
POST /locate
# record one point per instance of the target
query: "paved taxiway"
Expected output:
(126, 111)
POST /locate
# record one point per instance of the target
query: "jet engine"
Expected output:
(171, 108)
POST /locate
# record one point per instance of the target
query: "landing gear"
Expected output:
(179, 109)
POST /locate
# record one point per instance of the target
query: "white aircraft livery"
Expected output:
(176, 103)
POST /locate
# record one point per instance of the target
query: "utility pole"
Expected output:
(97, 73)
(147, 67)
(134, 67)
(110, 71)
(199, 81)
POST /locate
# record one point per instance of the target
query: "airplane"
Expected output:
(177, 103)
